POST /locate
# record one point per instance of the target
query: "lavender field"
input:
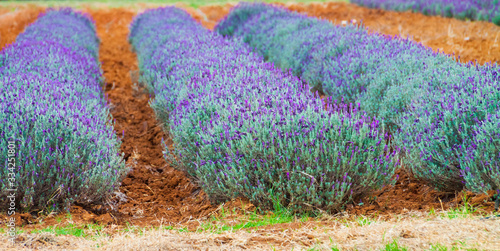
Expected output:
(249, 126)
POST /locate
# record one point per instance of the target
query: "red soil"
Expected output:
(410, 194)
(156, 193)
(12, 23)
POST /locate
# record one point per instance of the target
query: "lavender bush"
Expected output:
(450, 134)
(481, 162)
(242, 127)
(416, 92)
(70, 29)
(483, 10)
(53, 107)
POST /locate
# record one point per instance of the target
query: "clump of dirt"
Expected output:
(215, 13)
(12, 23)
(410, 194)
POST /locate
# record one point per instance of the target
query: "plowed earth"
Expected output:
(155, 194)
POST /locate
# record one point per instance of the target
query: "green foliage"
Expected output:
(253, 219)
(394, 246)
(462, 211)
(242, 127)
(56, 133)
(496, 20)
(91, 231)
(450, 133)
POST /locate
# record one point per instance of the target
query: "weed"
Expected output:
(85, 231)
(394, 246)
(335, 248)
(304, 217)
(432, 212)
(364, 221)
(252, 219)
(462, 211)
(183, 230)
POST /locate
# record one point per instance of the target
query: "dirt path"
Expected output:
(156, 193)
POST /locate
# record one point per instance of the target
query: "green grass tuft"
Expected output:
(86, 231)
(462, 211)
(394, 246)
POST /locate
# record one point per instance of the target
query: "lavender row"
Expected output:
(435, 107)
(451, 134)
(482, 10)
(342, 62)
(53, 109)
(242, 127)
